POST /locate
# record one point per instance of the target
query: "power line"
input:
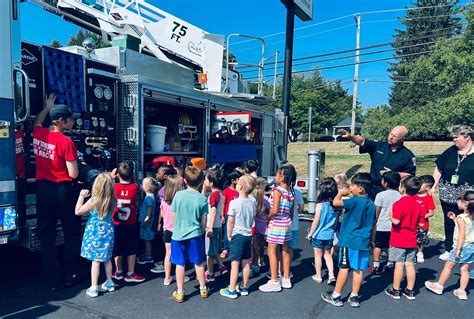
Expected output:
(349, 64)
(349, 16)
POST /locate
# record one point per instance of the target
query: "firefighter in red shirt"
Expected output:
(56, 167)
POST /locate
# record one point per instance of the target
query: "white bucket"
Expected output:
(156, 136)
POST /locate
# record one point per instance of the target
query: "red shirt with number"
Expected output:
(427, 203)
(126, 211)
(408, 212)
(52, 150)
(229, 194)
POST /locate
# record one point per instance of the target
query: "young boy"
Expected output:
(126, 231)
(405, 217)
(213, 181)
(426, 201)
(383, 206)
(229, 194)
(241, 216)
(189, 211)
(354, 238)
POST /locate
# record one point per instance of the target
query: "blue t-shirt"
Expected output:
(356, 227)
(325, 230)
(148, 201)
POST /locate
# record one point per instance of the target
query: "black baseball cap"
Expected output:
(61, 110)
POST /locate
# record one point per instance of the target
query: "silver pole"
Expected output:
(356, 76)
(314, 162)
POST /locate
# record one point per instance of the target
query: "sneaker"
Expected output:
(434, 287)
(223, 270)
(204, 292)
(354, 301)
(461, 294)
(92, 292)
(108, 286)
(420, 258)
(392, 293)
(255, 269)
(444, 256)
(158, 269)
(318, 280)
(286, 283)
(117, 275)
(328, 297)
(331, 281)
(271, 286)
(134, 278)
(389, 267)
(410, 294)
(225, 292)
(167, 282)
(375, 270)
(209, 277)
(178, 296)
(142, 260)
(243, 291)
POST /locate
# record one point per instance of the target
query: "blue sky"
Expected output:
(265, 17)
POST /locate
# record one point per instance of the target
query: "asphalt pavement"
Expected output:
(24, 293)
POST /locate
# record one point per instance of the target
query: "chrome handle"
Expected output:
(27, 96)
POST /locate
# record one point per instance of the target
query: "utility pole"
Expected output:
(356, 76)
(290, 24)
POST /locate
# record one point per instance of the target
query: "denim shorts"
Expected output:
(321, 243)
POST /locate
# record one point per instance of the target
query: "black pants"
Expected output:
(449, 224)
(56, 201)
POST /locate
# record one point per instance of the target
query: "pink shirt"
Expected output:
(166, 213)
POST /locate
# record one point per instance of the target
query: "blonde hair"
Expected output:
(173, 184)
(151, 185)
(259, 194)
(103, 192)
(462, 130)
(248, 183)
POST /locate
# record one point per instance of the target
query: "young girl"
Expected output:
(147, 234)
(279, 230)
(321, 233)
(463, 248)
(261, 220)
(173, 184)
(98, 240)
(228, 195)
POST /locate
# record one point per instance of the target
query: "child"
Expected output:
(189, 211)
(229, 194)
(98, 240)
(341, 181)
(383, 206)
(147, 234)
(241, 220)
(354, 239)
(251, 168)
(426, 201)
(261, 220)
(321, 233)
(214, 182)
(405, 216)
(279, 231)
(463, 248)
(126, 230)
(173, 185)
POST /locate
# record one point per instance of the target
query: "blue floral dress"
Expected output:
(98, 240)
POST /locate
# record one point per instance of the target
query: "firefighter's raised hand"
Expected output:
(50, 101)
(343, 133)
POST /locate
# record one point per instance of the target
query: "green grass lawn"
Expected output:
(341, 158)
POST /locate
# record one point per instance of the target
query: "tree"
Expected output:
(422, 29)
(329, 100)
(82, 34)
(55, 44)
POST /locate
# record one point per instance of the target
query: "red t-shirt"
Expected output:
(20, 153)
(427, 203)
(126, 210)
(229, 194)
(52, 150)
(408, 212)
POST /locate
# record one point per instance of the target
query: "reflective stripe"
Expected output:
(7, 186)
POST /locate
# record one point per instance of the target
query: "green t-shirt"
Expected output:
(189, 206)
